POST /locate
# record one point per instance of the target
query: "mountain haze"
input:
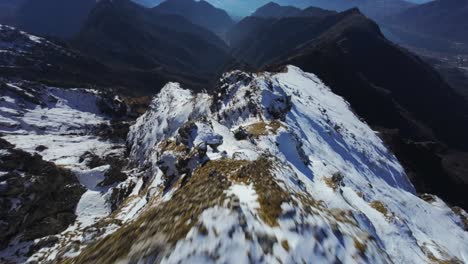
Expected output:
(54, 17)
(440, 21)
(200, 13)
(126, 35)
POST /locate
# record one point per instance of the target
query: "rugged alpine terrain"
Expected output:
(272, 166)
(61, 164)
(306, 137)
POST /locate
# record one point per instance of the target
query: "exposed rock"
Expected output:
(37, 194)
(214, 141)
(186, 133)
(41, 148)
(116, 162)
(241, 133)
(42, 243)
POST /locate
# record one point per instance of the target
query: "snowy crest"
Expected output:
(168, 111)
(283, 171)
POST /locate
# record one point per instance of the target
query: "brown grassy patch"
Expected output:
(335, 181)
(330, 183)
(171, 145)
(263, 128)
(270, 195)
(379, 206)
(285, 245)
(361, 247)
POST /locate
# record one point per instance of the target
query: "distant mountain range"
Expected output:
(376, 10)
(440, 25)
(126, 35)
(54, 17)
(274, 10)
(199, 13)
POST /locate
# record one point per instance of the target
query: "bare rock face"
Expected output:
(37, 198)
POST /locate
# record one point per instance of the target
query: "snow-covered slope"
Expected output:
(73, 130)
(18, 48)
(274, 168)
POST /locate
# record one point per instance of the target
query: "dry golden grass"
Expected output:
(263, 128)
(285, 245)
(361, 247)
(379, 206)
(270, 195)
(330, 183)
(171, 145)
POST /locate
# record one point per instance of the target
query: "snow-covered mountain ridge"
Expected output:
(275, 168)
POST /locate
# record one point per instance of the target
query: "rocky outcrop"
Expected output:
(37, 198)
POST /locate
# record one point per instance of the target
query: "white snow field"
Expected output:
(63, 122)
(369, 211)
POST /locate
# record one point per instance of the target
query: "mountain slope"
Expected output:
(61, 156)
(336, 43)
(434, 22)
(54, 17)
(29, 57)
(200, 13)
(348, 52)
(127, 36)
(273, 166)
(376, 10)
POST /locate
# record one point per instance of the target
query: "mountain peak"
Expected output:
(274, 10)
(200, 13)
